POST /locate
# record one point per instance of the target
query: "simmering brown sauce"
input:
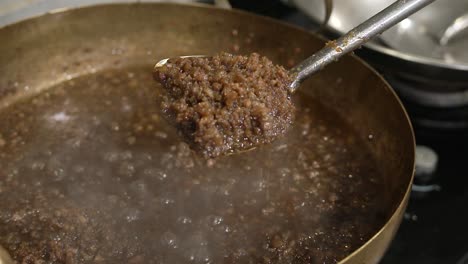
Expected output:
(91, 173)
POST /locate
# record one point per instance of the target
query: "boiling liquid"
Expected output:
(91, 173)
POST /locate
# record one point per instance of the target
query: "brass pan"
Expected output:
(33, 54)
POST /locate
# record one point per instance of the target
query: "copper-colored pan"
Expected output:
(38, 53)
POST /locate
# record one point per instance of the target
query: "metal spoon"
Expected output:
(352, 40)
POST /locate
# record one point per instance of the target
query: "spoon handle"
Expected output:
(354, 39)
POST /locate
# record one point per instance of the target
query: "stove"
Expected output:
(433, 230)
(434, 226)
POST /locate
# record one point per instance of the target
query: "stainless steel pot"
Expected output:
(425, 56)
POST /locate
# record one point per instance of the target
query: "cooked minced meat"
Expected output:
(226, 103)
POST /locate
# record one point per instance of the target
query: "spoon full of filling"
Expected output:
(231, 103)
(226, 103)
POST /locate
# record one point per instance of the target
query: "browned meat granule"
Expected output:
(226, 103)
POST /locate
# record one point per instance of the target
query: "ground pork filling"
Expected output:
(226, 103)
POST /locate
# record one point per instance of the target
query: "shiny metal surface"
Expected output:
(439, 82)
(356, 37)
(42, 52)
(444, 38)
(455, 29)
(413, 39)
(328, 11)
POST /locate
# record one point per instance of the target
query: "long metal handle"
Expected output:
(354, 39)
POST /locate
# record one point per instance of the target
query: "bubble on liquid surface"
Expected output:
(199, 255)
(132, 215)
(129, 191)
(169, 239)
(214, 220)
